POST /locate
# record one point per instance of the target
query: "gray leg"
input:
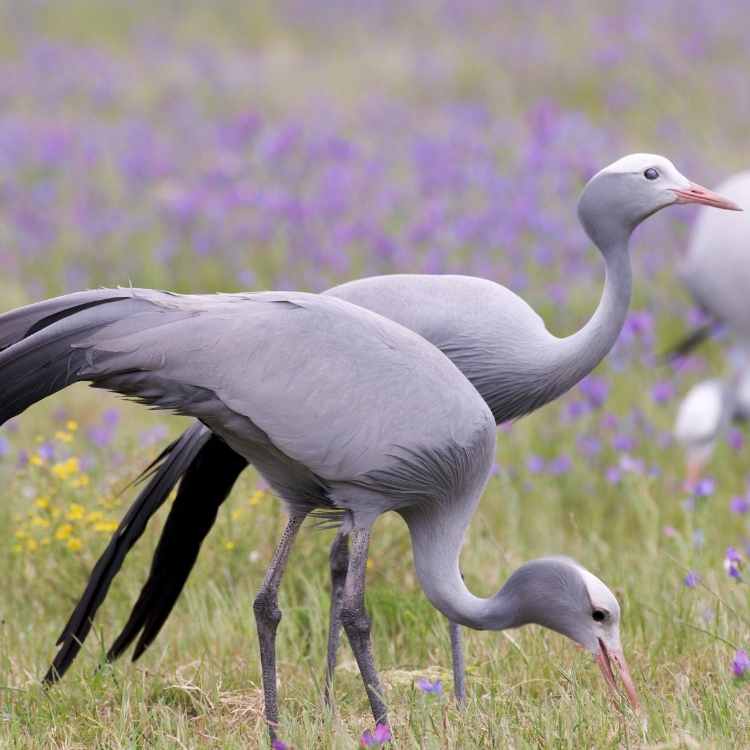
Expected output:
(267, 617)
(357, 624)
(339, 567)
(457, 655)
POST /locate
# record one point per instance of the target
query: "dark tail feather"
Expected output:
(688, 343)
(205, 486)
(173, 465)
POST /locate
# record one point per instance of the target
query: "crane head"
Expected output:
(559, 594)
(620, 196)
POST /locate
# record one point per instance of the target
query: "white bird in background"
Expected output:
(716, 271)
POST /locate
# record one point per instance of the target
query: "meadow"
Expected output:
(293, 145)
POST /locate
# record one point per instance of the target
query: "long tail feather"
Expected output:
(205, 486)
(173, 466)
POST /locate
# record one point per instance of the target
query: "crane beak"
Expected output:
(605, 658)
(694, 193)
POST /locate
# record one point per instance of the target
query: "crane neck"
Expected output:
(437, 537)
(575, 356)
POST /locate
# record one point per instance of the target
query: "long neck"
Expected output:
(437, 537)
(573, 357)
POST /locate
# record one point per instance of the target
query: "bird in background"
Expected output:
(716, 272)
(499, 343)
(266, 373)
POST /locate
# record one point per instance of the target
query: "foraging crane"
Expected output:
(492, 335)
(266, 372)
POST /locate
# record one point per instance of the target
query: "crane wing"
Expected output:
(332, 386)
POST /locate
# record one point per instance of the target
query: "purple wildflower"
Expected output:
(595, 389)
(670, 531)
(662, 392)
(433, 687)
(691, 579)
(699, 538)
(704, 487)
(376, 738)
(740, 663)
(739, 505)
(47, 451)
(623, 443)
(560, 465)
(613, 475)
(733, 564)
(278, 744)
(736, 439)
(4, 445)
(535, 463)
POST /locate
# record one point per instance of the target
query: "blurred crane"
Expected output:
(716, 271)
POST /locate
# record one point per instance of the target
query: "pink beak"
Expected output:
(605, 659)
(698, 194)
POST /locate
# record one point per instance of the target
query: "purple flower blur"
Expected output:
(691, 579)
(704, 487)
(739, 505)
(736, 439)
(662, 392)
(733, 564)
(376, 738)
(278, 744)
(595, 389)
(740, 663)
(433, 687)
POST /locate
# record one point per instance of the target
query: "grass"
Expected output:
(199, 685)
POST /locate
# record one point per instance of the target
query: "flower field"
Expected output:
(295, 145)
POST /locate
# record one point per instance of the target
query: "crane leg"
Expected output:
(457, 657)
(357, 624)
(268, 616)
(339, 565)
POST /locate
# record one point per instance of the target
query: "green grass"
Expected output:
(199, 685)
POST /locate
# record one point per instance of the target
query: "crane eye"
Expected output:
(599, 615)
(651, 174)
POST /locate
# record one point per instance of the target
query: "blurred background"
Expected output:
(296, 144)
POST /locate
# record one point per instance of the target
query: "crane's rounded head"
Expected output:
(558, 593)
(620, 196)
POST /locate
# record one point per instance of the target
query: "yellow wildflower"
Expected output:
(40, 521)
(82, 481)
(105, 526)
(74, 544)
(20, 534)
(36, 460)
(256, 497)
(31, 545)
(229, 545)
(370, 563)
(46, 540)
(63, 531)
(63, 437)
(75, 512)
(65, 469)
(71, 425)
(236, 514)
(42, 502)
(94, 516)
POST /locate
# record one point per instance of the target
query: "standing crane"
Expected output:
(266, 372)
(500, 344)
(716, 272)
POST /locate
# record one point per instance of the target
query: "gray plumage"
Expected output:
(267, 373)
(320, 456)
(716, 272)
